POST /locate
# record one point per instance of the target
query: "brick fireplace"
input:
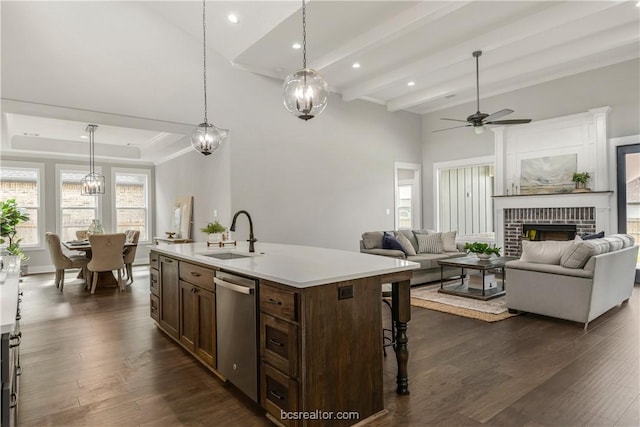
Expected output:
(545, 224)
(588, 212)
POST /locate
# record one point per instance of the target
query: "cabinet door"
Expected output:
(188, 326)
(169, 296)
(206, 326)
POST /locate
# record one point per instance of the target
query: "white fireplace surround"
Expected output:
(584, 134)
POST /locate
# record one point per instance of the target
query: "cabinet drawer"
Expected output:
(154, 286)
(154, 305)
(153, 260)
(278, 393)
(197, 275)
(279, 302)
(279, 344)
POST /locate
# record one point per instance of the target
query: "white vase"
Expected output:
(214, 237)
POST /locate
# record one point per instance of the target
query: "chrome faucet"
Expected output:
(233, 228)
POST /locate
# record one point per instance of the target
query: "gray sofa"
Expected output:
(591, 277)
(429, 271)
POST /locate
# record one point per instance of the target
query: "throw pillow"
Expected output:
(627, 239)
(390, 242)
(449, 241)
(587, 236)
(545, 252)
(408, 248)
(429, 243)
(372, 240)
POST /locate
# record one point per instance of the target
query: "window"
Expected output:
(22, 181)
(408, 196)
(131, 201)
(76, 211)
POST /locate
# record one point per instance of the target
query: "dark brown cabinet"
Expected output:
(182, 302)
(169, 296)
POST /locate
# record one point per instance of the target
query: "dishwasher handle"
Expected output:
(233, 287)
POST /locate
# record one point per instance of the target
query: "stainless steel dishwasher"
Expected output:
(236, 331)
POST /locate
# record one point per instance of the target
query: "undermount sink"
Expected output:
(227, 255)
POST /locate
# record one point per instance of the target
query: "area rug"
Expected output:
(492, 310)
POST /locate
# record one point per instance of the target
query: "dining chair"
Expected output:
(61, 261)
(106, 256)
(81, 234)
(129, 253)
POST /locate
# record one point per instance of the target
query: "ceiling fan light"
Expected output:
(479, 129)
(305, 93)
(207, 138)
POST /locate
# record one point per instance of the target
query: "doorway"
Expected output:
(628, 183)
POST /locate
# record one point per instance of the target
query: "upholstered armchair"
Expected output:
(129, 254)
(106, 256)
(61, 261)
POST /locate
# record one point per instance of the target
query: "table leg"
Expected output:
(442, 277)
(401, 314)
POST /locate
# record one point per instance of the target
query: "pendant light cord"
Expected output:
(304, 35)
(204, 55)
(91, 154)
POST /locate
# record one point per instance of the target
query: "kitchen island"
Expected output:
(317, 327)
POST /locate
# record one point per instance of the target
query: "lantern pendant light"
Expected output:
(206, 138)
(93, 183)
(305, 93)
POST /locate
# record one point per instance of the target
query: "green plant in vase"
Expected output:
(581, 178)
(482, 250)
(11, 217)
(214, 230)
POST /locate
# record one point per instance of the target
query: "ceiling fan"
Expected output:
(478, 119)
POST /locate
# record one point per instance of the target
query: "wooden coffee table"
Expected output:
(473, 263)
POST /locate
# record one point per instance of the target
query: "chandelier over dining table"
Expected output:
(93, 183)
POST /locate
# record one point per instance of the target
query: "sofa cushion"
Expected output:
(407, 247)
(372, 239)
(389, 241)
(548, 268)
(626, 238)
(385, 252)
(545, 252)
(577, 255)
(615, 243)
(411, 237)
(429, 243)
(449, 241)
(427, 261)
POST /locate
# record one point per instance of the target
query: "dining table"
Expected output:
(105, 278)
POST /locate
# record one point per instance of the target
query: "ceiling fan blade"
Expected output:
(508, 122)
(498, 114)
(455, 127)
(454, 120)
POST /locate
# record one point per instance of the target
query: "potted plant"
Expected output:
(11, 217)
(214, 230)
(581, 178)
(482, 250)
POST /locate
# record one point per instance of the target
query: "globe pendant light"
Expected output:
(206, 138)
(305, 93)
(93, 183)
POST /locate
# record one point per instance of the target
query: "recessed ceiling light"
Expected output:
(638, 4)
(84, 137)
(296, 46)
(233, 18)
(411, 84)
(356, 65)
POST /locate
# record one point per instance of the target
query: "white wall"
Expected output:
(617, 86)
(321, 183)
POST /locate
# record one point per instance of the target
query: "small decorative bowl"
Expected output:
(170, 234)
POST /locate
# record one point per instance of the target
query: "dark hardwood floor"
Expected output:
(100, 361)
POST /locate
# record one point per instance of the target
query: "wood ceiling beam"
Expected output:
(547, 19)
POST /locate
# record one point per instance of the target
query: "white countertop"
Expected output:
(293, 265)
(9, 297)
